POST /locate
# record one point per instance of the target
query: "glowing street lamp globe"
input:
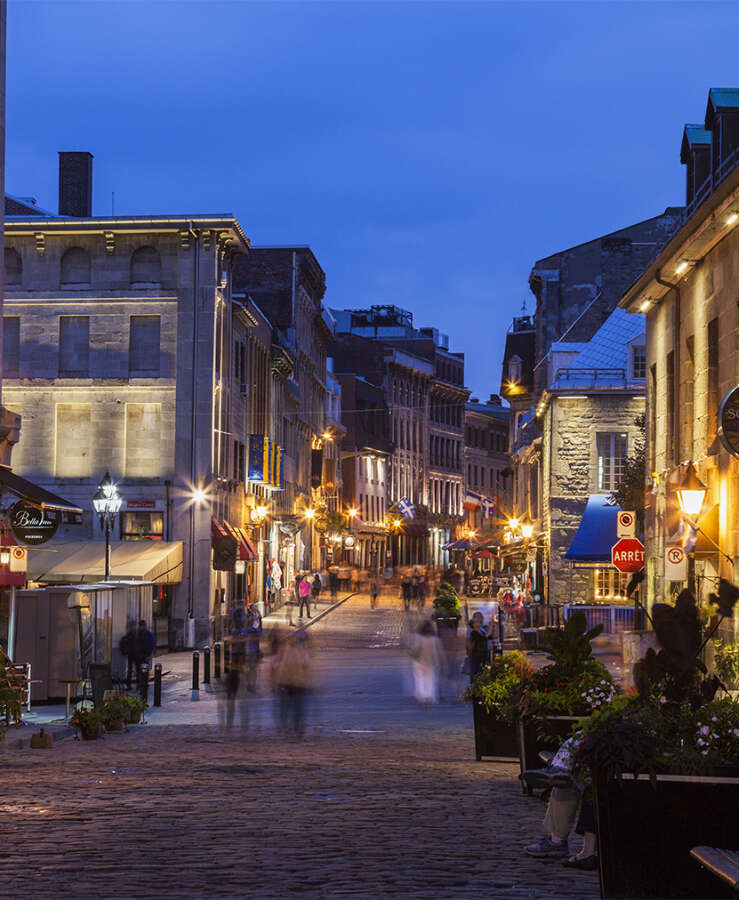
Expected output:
(691, 494)
(106, 500)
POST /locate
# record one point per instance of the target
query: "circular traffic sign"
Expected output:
(626, 518)
(627, 555)
(728, 421)
(675, 555)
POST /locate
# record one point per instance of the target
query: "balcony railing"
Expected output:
(588, 377)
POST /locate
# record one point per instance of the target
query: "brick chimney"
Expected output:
(75, 184)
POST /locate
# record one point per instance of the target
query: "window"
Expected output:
(611, 450)
(11, 346)
(143, 440)
(142, 526)
(73, 440)
(13, 266)
(638, 362)
(514, 369)
(75, 268)
(74, 346)
(609, 583)
(143, 345)
(146, 267)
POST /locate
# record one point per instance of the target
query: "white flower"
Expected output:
(663, 699)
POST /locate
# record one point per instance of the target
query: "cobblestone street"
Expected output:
(381, 798)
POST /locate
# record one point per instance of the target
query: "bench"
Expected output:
(724, 864)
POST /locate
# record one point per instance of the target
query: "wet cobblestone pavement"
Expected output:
(381, 799)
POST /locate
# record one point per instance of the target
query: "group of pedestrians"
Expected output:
(290, 672)
(413, 590)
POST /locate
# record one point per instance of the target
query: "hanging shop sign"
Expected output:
(31, 525)
(676, 564)
(626, 524)
(627, 555)
(18, 559)
(259, 458)
(728, 421)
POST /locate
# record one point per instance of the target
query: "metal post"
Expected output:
(11, 627)
(107, 547)
(206, 671)
(158, 684)
(217, 660)
(195, 675)
(226, 657)
(144, 683)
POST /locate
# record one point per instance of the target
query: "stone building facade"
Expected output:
(689, 295)
(118, 341)
(288, 285)
(487, 466)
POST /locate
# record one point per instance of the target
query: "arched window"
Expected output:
(146, 266)
(75, 266)
(13, 266)
(514, 369)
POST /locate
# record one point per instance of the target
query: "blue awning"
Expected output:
(596, 534)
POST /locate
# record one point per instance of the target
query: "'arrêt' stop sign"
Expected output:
(627, 555)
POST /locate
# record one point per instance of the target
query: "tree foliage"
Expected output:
(630, 490)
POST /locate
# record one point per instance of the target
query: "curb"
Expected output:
(318, 616)
(58, 732)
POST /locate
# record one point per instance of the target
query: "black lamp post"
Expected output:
(106, 502)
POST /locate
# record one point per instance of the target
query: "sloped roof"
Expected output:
(693, 135)
(721, 99)
(607, 349)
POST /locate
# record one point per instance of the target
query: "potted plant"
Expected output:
(87, 722)
(571, 686)
(114, 713)
(494, 699)
(446, 613)
(135, 707)
(726, 661)
(664, 765)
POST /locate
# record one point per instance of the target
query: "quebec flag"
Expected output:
(407, 508)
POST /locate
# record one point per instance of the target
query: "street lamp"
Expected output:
(691, 493)
(106, 501)
(527, 529)
(352, 512)
(310, 513)
(513, 523)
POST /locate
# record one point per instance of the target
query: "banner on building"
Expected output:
(277, 472)
(259, 458)
(316, 469)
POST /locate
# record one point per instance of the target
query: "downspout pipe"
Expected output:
(194, 389)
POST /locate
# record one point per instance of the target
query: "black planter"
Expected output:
(542, 734)
(645, 834)
(494, 738)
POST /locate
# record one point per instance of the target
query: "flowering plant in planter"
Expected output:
(495, 686)
(574, 683)
(87, 721)
(114, 713)
(673, 721)
(726, 660)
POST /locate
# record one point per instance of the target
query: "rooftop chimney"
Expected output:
(75, 184)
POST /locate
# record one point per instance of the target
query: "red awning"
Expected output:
(244, 547)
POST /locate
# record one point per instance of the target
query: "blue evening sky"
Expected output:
(428, 153)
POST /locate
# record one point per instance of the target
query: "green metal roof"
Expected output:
(721, 99)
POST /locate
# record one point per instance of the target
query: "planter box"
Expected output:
(494, 738)
(543, 734)
(645, 835)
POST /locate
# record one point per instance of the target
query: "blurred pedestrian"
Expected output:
(421, 592)
(406, 590)
(374, 590)
(333, 582)
(235, 683)
(252, 653)
(142, 647)
(426, 654)
(315, 590)
(293, 678)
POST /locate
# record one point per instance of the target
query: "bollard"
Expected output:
(158, 684)
(217, 661)
(226, 657)
(206, 671)
(195, 675)
(144, 683)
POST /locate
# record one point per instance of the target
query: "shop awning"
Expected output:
(596, 534)
(463, 544)
(83, 562)
(244, 547)
(34, 494)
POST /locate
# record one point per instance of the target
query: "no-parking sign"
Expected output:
(626, 523)
(18, 559)
(676, 564)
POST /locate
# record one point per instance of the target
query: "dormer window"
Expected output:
(638, 362)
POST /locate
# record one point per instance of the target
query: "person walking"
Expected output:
(252, 652)
(374, 590)
(126, 646)
(405, 588)
(144, 645)
(426, 654)
(421, 591)
(477, 645)
(315, 590)
(293, 678)
(304, 589)
(333, 582)
(235, 693)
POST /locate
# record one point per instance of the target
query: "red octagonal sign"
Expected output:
(627, 555)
